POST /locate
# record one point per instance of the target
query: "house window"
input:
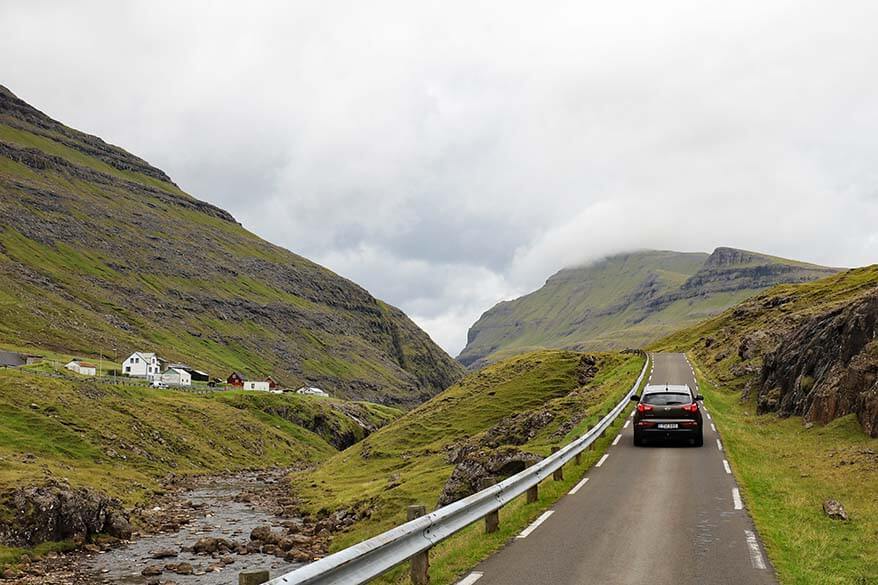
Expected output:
(127, 369)
(136, 360)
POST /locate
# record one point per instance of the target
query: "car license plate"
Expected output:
(667, 425)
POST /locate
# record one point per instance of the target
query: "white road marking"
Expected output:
(601, 462)
(536, 523)
(578, 486)
(712, 427)
(755, 554)
(707, 414)
(627, 422)
(616, 440)
(726, 466)
(470, 579)
(736, 497)
(719, 444)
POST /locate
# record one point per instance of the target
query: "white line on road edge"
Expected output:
(726, 466)
(601, 462)
(577, 487)
(755, 554)
(616, 440)
(719, 445)
(712, 427)
(470, 579)
(536, 523)
(707, 414)
(627, 422)
(736, 497)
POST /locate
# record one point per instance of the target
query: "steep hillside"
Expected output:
(488, 426)
(101, 252)
(804, 350)
(627, 300)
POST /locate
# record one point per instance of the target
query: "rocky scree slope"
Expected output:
(806, 350)
(101, 252)
(628, 300)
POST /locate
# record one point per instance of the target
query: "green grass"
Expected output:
(404, 463)
(786, 471)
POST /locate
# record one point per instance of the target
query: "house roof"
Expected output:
(144, 354)
(236, 375)
(85, 364)
(180, 371)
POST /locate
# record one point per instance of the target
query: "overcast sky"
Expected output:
(447, 155)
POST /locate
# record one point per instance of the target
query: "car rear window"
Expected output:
(667, 398)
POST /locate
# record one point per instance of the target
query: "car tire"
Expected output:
(638, 440)
(699, 440)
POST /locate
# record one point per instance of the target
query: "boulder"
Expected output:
(483, 468)
(835, 510)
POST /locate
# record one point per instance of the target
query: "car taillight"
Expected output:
(691, 407)
(644, 407)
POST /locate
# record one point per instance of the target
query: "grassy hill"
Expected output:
(790, 378)
(101, 252)
(527, 403)
(122, 441)
(627, 300)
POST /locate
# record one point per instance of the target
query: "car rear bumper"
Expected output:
(685, 428)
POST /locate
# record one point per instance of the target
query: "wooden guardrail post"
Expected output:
(252, 577)
(492, 522)
(578, 459)
(558, 474)
(420, 570)
(533, 494)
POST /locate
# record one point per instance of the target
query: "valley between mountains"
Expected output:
(102, 256)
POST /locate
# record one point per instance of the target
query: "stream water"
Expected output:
(220, 516)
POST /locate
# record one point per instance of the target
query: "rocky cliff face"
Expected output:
(101, 252)
(628, 300)
(806, 350)
(826, 367)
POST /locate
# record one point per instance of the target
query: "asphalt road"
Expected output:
(662, 515)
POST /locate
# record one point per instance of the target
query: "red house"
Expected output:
(235, 379)
(272, 384)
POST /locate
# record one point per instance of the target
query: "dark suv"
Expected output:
(668, 412)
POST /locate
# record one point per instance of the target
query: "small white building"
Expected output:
(256, 385)
(82, 368)
(311, 391)
(177, 377)
(141, 364)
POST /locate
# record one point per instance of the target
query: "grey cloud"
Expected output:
(447, 155)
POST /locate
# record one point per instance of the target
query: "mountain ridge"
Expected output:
(627, 299)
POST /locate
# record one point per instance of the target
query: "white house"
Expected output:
(177, 377)
(143, 365)
(311, 391)
(256, 385)
(83, 368)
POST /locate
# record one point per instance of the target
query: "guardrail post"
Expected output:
(252, 577)
(420, 570)
(578, 459)
(558, 474)
(492, 522)
(533, 494)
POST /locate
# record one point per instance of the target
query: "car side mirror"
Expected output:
(635, 398)
(699, 398)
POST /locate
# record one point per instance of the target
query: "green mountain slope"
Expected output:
(525, 404)
(627, 300)
(101, 252)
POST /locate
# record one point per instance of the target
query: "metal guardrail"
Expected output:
(370, 558)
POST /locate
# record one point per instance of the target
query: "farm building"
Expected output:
(256, 385)
(82, 368)
(272, 384)
(11, 359)
(235, 379)
(176, 377)
(196, 375)
(143, 365)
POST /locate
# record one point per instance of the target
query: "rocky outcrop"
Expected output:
(826, 367)
(58, 512)
(477, 469)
